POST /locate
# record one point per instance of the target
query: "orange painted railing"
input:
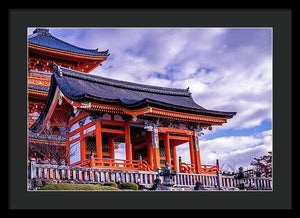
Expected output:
(209, 169)
(191, 168)
(187, 168)
(115, 164)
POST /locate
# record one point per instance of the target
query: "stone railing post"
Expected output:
(97, 176)
(91, 174)
(85, 175)
(80, 175)
(74, 174)
(218, 175)
(32, 168)
(56, 173)
(51, 173)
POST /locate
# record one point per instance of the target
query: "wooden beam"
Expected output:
(176, 143)
(139, 146)
(117, 131)
(182, 138)
(117, 136)
(112, 122)
(174, 130)
(143, 137)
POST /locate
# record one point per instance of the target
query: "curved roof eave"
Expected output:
(42, 37)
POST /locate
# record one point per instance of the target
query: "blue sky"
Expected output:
(228, 69)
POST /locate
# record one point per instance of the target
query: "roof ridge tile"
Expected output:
(62, 71)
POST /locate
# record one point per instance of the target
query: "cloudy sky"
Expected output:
(228, 69)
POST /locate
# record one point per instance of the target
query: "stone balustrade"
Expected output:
(89, 175)
(255, 183)
(188, 179)
(49, 172)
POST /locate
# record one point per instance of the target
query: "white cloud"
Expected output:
(233, 151)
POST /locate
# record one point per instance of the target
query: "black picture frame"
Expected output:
(278, 19)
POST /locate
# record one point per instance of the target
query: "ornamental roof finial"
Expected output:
(57, 69)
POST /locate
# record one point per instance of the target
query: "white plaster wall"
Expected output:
(74, 152)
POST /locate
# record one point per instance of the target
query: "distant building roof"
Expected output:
(42, 37)
(39, 88)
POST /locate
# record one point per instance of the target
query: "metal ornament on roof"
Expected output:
(81, 121)
(59, 71)
(149, 125)
(74, 110)
(175, 125)
(93, 116)
(61, 95)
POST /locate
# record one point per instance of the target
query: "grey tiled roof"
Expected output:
(85, 87)
(55, 138)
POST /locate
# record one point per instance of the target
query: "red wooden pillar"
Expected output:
(167, 148)
(82, 145)
(98, 139)
(68, 149)
(173, 147)
(112, 147)
(128, 141)
(191, 147)
(197, 152)
(198, 162)
(156, 158)
(149, 152)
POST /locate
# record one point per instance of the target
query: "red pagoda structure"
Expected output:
(101, 112)
(43, 50)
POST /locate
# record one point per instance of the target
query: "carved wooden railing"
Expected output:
(187, 168)
(205, 169)
(209, 169)
(114, 164)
